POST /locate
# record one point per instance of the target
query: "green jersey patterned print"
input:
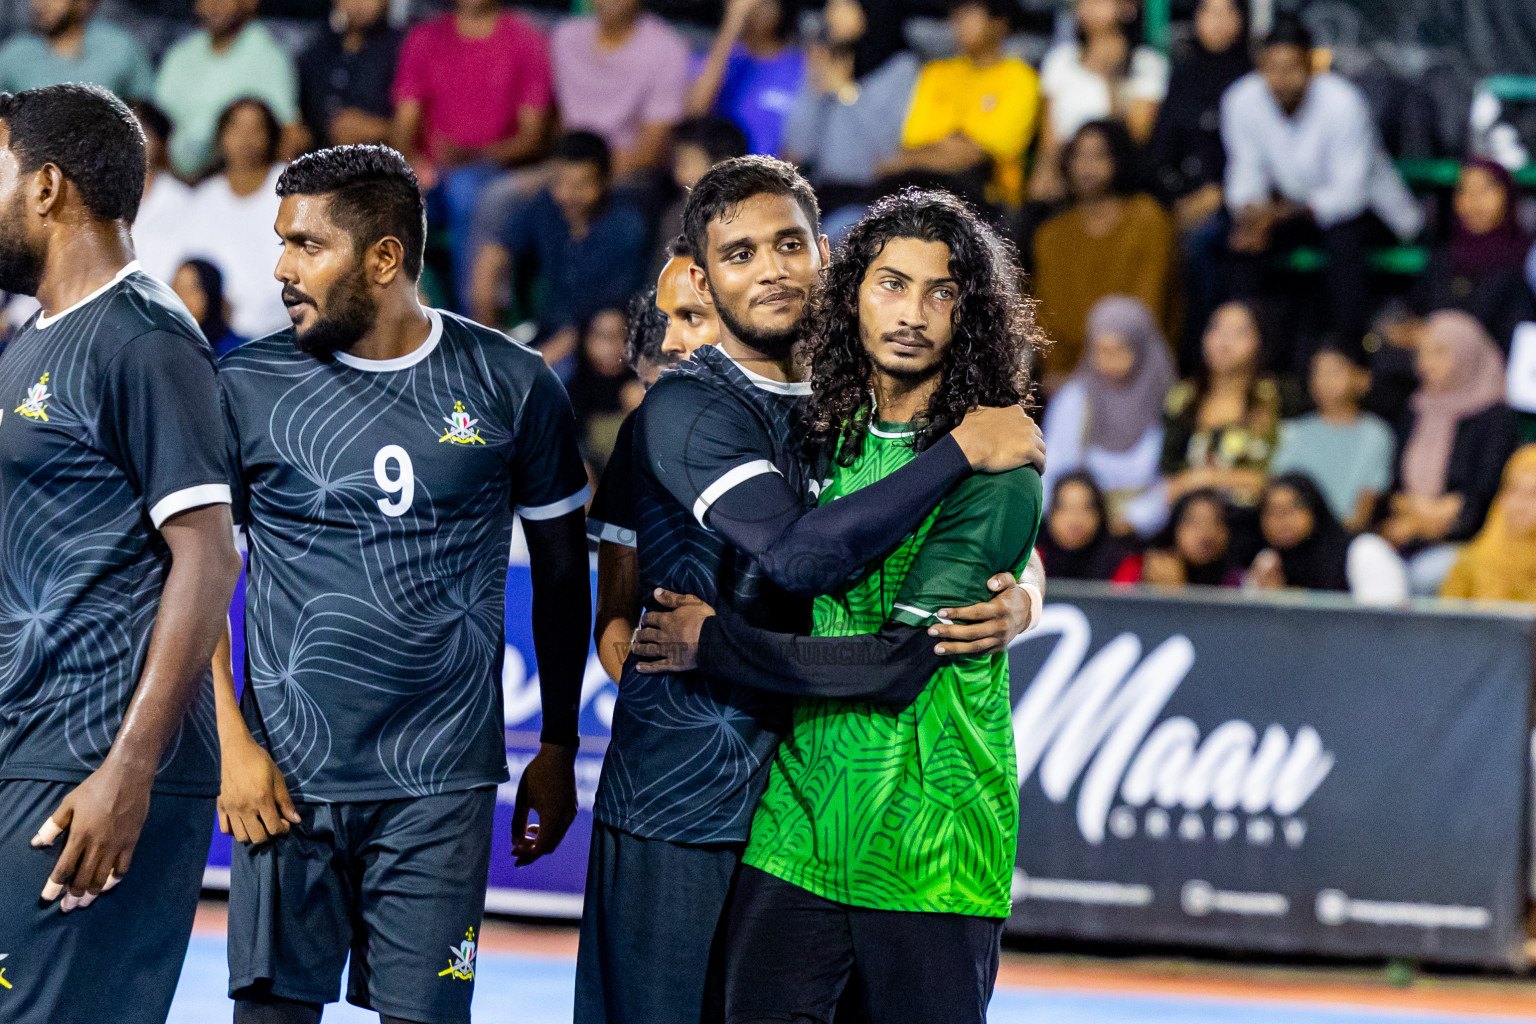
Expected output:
(916, 810)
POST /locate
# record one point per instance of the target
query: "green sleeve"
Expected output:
(987, 525)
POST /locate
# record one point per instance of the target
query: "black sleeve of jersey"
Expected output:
(890, 667)
(549, 477)
(160, 421)
(717, 461)
(239, 505)
(611, 516)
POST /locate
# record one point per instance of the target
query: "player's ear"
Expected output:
(826, 250)
(47, 189)
(698, 279)
(386, 260)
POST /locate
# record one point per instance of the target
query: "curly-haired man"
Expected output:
(884, 844)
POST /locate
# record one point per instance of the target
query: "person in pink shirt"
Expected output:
(472, 97)
(621, 74)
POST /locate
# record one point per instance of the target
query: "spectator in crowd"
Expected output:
(1107, 418)
(698, 144)
(689, 314)
(1105, 73)
(752, 71)
(1305, 165)
(231, 56)
(472, 98)
(1112, 240)
(200, 287)
(69, 43)
(1454, 444)
(1221, 426)
(1347, 452)
(347, 74)
(232, 213)
(1076, 542)
(1194, 549)
(1186, 157)
(1500, 563)
(847, 119)
(1482, 269)
(586, 249)
(972, 116)
(603, 389)
(159, 231)
(1306, 547)
(622, 74)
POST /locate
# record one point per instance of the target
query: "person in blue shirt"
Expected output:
(68, 43)
(752, 71)
(574, 245)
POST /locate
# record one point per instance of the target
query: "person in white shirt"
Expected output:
(159, 231)
(232, 214)
(1305, 164)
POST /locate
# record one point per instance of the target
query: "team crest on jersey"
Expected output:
(3, 982)
(36, 405)
(461, 964)
(461, 428)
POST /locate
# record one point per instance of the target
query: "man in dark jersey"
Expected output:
(119, 565)
(381, 450)
(723, 503)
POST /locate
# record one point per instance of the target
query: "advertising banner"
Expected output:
(1294, 777)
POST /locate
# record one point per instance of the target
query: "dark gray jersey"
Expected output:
(378, 500)
(109, 425)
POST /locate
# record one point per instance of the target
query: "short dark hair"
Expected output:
(680, 249)
(1122, 150)
(997, 10)
(268, 121)
(1288, 30)
(585, 148)
(152, 119)
(718, 137)
(89, 135)
(373, 194)
(727, 185)
(647, 330)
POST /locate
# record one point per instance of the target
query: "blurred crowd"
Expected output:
(1235, 393)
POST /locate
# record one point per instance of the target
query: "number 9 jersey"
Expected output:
(377, 498)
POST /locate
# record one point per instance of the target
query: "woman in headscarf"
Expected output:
(1107, 417)
(1075, 542)
(1306, 546)
(1500, 563)
(1481, 270)
(1454, 442)
(1187, 159)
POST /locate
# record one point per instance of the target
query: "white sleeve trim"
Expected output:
(600, 531)
(728, 480)
(189, 497)
(556, 509)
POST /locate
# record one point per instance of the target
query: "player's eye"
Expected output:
(943, 294)
(890, 284)
(739, 256)
(693, 319)
(790, 245)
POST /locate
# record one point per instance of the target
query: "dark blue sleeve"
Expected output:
(549, 476)
(161, 422)
(611, 516)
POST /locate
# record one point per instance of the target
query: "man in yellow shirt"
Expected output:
(976, 112)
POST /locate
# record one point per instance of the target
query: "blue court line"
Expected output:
(533, 989)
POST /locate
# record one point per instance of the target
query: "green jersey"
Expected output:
(916, 810)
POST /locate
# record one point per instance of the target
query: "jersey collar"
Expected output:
(411, 358)
(778, 387)
(43, 320)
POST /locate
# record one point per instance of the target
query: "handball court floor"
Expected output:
(525, 976)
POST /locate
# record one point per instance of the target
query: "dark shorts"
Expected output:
(118, 959)
(400, 884)
(791, 953)
(652, 930)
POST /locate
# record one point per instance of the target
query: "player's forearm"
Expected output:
(618, 605)
(810, 554)
(226, 703)
(193, 616)
(889, 667)
(562, 606)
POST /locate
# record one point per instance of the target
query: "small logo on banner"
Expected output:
(1095, 721)
(35, 406)
(461, 964)
(461, 429)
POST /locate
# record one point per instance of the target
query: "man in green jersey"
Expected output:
(884, 845)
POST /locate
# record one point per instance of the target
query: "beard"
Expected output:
(773, 344)
(350, 314)
(21, 264)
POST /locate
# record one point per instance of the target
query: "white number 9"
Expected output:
(403, 484)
